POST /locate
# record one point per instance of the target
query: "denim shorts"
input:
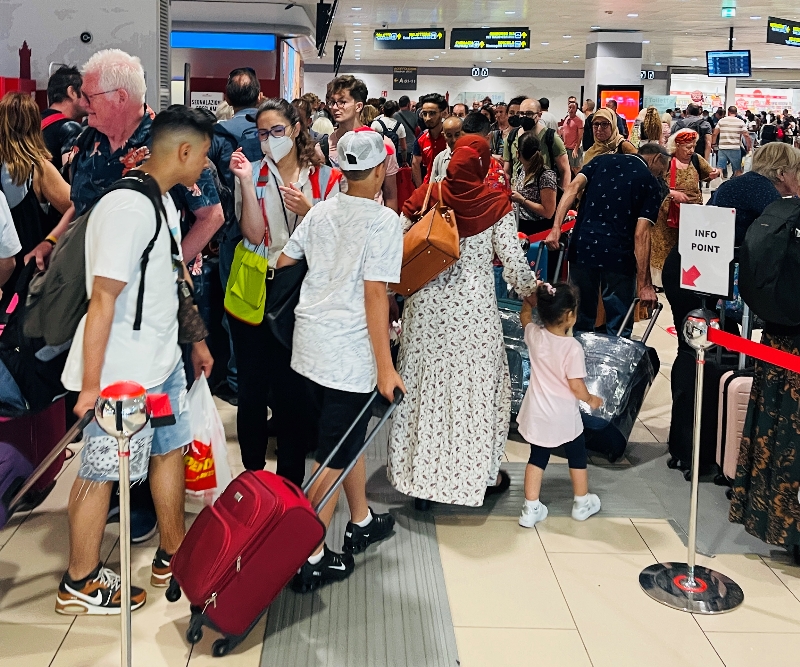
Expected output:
(99, 460)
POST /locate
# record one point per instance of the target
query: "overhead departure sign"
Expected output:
(432, 38)
(490, 38)
(781, 31)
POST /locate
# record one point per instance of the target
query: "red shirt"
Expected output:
(570, 130)
(428, 148)
(496, 179)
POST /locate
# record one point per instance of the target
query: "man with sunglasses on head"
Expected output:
(346, 99)
(551, 146)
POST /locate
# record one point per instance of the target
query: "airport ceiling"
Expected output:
(674, 33)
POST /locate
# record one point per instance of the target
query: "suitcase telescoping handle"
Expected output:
(398, 398)
(656, 311)
(747, 332)
(562, 249)
(82, 423)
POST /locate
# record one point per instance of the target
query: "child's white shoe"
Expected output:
(530, 516)
(584, 507)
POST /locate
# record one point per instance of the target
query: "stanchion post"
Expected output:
(688, 586)
(125, 547)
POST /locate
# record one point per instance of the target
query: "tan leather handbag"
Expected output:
(429, 247)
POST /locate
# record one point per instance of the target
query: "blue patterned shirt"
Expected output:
(619, 191)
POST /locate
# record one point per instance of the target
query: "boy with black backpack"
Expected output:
(392, 128)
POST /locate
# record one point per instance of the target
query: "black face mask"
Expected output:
(527, 124)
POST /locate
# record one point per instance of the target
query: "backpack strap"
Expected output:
(146, 185)
(47, 122)
(549, 139)
(383, 125)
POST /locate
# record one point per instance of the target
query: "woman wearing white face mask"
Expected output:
(277, 192)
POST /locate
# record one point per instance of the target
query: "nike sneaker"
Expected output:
(161, 571)
(583, 509)
(332, 567)
(357, 539)
(98, 594)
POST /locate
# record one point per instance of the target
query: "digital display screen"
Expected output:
(229, 41)
(489, 38)
(728, 63)
(781, 31)
(432, 38)
(628, 98)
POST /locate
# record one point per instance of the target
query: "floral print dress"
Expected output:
(448, 435)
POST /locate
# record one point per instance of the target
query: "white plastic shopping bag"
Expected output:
(206, 458)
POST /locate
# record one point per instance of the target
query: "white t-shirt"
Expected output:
(345, 240)
(391, 124)
(440, 164)
(119, 229)
(550, 414)
(9, 241)
(730, 133)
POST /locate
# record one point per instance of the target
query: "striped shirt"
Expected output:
(730, 133)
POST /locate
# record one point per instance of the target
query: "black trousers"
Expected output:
(266, 378)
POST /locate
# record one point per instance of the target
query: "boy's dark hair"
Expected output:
(178, 118)
(516, 101)
(306, 151)
(404, 101)
(554, 307)
(358, 174)
(544, 103)
(59, 83)
(390, 108)
(476, 123)
(434, 98)
(347, 82)
(243, 88)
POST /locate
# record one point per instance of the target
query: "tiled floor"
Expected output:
(561, 595)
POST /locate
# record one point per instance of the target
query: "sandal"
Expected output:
(502, 487)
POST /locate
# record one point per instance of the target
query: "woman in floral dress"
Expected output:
(448, 435)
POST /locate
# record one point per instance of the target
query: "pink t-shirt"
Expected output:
(550, 415)
(392, 166)
(570, 130)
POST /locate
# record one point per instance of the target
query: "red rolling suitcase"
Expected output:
(240, 552)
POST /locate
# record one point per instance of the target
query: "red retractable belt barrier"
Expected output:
(757, 350)
(541, 236)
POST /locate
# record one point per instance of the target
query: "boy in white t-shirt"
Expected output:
(354, 247)
(110, 345)
(550, 415)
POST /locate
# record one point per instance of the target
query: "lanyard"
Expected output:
(289, 230)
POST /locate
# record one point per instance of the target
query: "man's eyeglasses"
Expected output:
(340, 104)
(88, 98)
(528, 114)
(276, 131)
(601, 126)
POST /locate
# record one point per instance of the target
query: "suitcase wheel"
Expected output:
(221, 648)
(173, 593)
(194, 633)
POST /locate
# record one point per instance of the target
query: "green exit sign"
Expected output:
(728, 12)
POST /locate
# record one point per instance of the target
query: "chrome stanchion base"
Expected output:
(713, 593)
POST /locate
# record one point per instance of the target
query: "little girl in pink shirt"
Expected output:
(550, 415)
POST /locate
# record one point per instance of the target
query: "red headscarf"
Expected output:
(477, 207)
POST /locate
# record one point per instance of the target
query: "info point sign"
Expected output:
(705, 244)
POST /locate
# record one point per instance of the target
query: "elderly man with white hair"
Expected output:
(117, 141)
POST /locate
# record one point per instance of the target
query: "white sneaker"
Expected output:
(528, 518)
(582, 510)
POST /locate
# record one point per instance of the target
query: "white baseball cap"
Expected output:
(360, 150)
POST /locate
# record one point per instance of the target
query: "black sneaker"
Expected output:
(357, 539)
(332, 567)
(97, 594)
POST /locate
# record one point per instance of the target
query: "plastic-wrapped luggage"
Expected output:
(519, 363)
(621, 372)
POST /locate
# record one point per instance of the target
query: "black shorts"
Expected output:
(336, 411)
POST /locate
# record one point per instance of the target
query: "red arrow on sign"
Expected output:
(689, 277)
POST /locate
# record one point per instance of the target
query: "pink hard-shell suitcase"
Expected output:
(734, 397)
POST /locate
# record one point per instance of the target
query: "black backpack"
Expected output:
(769, 133)
(391, 134)
(769, 264)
